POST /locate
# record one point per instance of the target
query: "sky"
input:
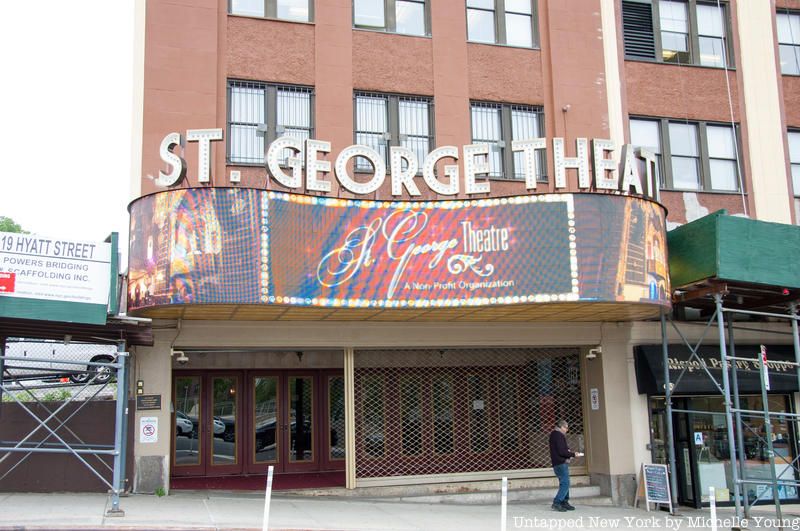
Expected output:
(65, 117)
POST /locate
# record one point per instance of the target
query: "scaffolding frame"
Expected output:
(51, 423)
(735, 415)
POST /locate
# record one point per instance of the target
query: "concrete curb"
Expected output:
(493, 498)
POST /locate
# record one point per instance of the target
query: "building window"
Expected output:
(674, 31)
(690, 155)
(510, 22)
(789, 42)
(384, 120)
(794, 160)
(498, 125)
(645, 134)
(294, 10)
(409, 17)
(258, 113)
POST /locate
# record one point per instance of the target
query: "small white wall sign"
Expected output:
(148, 430)
(594, 395)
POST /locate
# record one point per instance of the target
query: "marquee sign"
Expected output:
(628, 171)
(248, 246)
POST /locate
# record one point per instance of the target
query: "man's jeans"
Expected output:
(562, 473)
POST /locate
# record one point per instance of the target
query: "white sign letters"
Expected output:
(613, 170)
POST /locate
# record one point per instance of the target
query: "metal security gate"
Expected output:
(56, 396)
(451, 411)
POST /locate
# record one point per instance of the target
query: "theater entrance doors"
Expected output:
(241, 422)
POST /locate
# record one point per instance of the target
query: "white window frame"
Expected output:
(500, 30)
(390, 17)
(268, 128)
(794, 44)
(270, 10)
(392, 135)
(693, 33)
(509, 171)
(703, 158)
(794, 161)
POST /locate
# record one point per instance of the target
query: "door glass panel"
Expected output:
(265, 411)
(336, 417)
(508, 412)
(442, 414)
(373, 416)
(658, 430)
(187, 414)
(301, 438)
(411, 411)
(223, 407)
(478, 422)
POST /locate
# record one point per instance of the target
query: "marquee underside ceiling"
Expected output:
(554, 312)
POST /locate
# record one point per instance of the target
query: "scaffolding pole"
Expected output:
(673, 481)
(727, 394)
(119, 432)
(738, 419)
(735, 415)
(768, 432)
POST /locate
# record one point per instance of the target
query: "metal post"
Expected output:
(739, 434)
(727, 391)
(668, 399)
(123, 379)
(796, 342)
(503, 502)
(349, 418)
(118, 435)
(768, 437)
(267, 499)
(2, 368)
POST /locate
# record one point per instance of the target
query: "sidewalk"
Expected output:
(215, 510)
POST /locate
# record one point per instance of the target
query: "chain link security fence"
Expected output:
(61, 416)
(445, 411)
(56, 371)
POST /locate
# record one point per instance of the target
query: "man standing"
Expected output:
(560, 454)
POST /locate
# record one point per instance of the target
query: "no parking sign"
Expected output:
(148, 430)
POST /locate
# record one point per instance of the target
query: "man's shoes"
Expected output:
(567, 506)
(558, 508)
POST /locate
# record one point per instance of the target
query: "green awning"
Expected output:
(734, 249)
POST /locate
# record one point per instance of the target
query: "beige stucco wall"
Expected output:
(765, 133)
(197, 334)
(152, 366)
(617, 434)
(326, 341)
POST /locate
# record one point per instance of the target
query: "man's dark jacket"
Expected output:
(559, 451)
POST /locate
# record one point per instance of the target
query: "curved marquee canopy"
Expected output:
(249, 254)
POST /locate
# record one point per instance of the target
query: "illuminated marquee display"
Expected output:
(248, 246)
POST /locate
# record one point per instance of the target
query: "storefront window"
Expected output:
(658, 431)
(704, 434)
